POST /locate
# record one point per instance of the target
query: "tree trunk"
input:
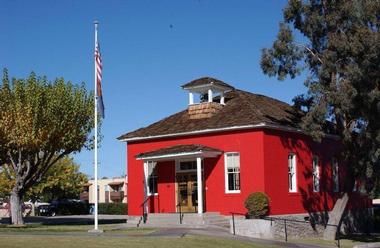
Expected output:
(335, 218)
(16, 208)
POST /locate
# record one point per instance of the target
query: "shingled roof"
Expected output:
(205, 81)
(242, 109)
(178, 149)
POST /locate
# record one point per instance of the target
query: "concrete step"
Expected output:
(133, 221)
(192, 220)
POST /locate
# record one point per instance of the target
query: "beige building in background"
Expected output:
(109, 190)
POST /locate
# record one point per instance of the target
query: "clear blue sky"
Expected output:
(149, 48)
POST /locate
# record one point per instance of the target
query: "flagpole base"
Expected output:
(96, 231)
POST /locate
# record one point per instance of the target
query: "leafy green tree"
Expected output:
(61, 181)
(6, 185)
(40, 123)
(338, 44)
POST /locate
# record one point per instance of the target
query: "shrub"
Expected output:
(257, 204)
(113, 208)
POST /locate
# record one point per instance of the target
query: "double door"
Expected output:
(187, 191)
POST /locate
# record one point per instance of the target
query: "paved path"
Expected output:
(166, 232)
(161, 231)
(181, 232)
(70, 219)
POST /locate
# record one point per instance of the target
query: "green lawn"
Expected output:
(41, 241)
(112, 228)
(62, 236)
(345, 242)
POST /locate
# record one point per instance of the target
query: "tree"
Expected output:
(61, 181)
(40, 123)
(339, 47)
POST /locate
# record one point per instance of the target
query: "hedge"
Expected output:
(113, 208)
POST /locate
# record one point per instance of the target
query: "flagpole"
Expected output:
(96, 135)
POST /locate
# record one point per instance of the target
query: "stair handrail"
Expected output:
(144, 213)
(180, 212)
(233, 220)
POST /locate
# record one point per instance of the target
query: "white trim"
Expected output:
(181, 155)
(316, 174)
(335, 174)
(222, 98)
(155, 194)
(213, 130)
(178, 162)
(207, 85)
(191, 98)
(199, 185)
(145, 186)
(147, 176)
(294, 177)
(210, 97)
(226, 190)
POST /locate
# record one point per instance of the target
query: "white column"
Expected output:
(200, 186)
(209, 95)
(191, 98)
(222, 98)
(145, 186)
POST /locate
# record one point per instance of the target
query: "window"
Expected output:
(106, 187)
(292, 173)
(152, 178)
(315, 174)
(190, 165)
(335, 175)
(232, 178)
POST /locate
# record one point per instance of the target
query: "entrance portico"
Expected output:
(189, 167)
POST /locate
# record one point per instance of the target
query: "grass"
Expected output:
(41, 241)
(345, 242)
(39, 228)
(37, 235)
(62, 236)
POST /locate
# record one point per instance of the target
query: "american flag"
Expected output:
(99, 96)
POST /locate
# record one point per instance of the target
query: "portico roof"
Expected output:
(177, 151)
(115, 183)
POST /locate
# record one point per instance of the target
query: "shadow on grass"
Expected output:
(363, 238)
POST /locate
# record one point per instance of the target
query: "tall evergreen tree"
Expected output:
(339, 46)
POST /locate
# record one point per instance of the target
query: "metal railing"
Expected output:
(180, 213)
(285, 221)
(300, 221)
(144, 213)
(233, 220)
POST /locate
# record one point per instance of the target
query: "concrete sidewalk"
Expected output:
(70, 219)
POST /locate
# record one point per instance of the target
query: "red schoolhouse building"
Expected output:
(212, 155)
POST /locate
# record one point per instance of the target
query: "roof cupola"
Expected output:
(210, 93)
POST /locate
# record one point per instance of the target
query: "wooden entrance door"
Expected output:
(187, 192)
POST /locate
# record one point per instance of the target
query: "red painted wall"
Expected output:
(263, 167)
(248, 143)
(277, 146)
